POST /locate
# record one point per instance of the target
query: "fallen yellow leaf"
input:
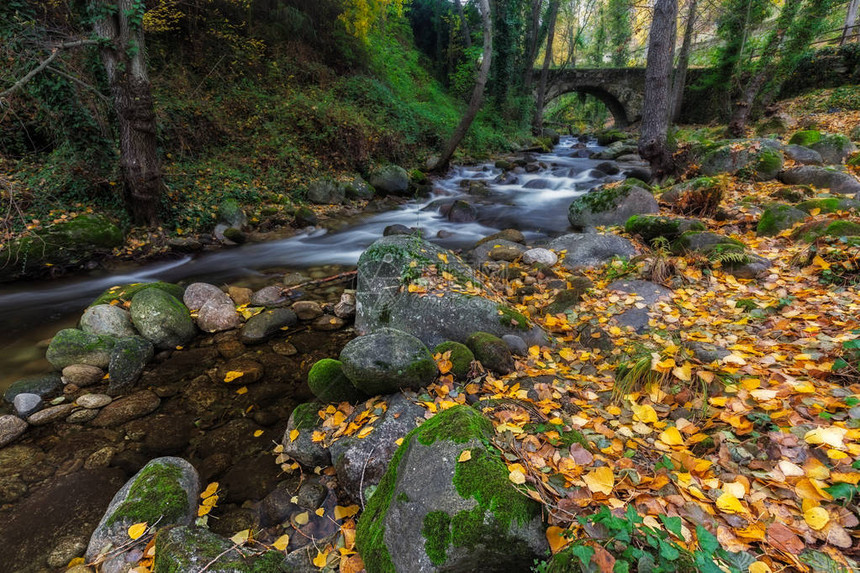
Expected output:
(232, 375)
(321, 558)
(465, 456)
(760, 567)
(671, 437)
(320, 512)
(730, 504)
(294, 434)
(136, 530)
(556, 539)
(281, 542)
(600, 480)
(302, 518)
(242, 537)
(341, 512)
(816, 517)
(210, 489)
(645, 414)
(517, 477)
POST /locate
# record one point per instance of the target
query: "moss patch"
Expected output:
(509, 317)
(650, 227)
(437, 532)
(461, 357)
(459, 425)
(306, 416)
(778, 218)
(328, 382)
(125, 293)
(805, 138)
(155, 494)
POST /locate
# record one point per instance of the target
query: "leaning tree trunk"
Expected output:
(120, 31)
(477, 91)
(537, 124)
(653, 146)
(680, 79)
(851, 32)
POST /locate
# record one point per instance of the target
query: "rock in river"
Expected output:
(11, 428)
(162, 319)
(107, 319)
(72, 346)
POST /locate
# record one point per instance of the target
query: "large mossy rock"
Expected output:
(650, 227)
(760, 159)
(433, 513)
(329, 384)
(821, 178)
(107, 319)
(390, 265)
(164, 491)
(162, 319)
(68, 243)
(811, 232)
(778, 218)
(189, 549)
(326, 192)
(124, 293)
(387, 360)
(298, 438)
(491, 351)
(607, 206)
(460, 356)
(73, 346)
(834, 148)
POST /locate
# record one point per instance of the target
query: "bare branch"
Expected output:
(55, 51)
(80, 82)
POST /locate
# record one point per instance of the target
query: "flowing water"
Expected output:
(535, 203)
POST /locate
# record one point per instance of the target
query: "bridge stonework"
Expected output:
(622, 90)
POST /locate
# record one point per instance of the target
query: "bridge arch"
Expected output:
(622, 90)
(615, 107)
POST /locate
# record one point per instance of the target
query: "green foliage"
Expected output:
(582, 112)
(620, 31)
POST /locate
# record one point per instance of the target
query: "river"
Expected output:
(535, 203)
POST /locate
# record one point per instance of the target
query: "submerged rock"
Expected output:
(41, 385)
(261, 327)
(11, 428)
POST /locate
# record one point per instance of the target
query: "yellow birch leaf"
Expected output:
(730, 504)
(341, 512)
(281, 542)
(684, 372)
(294, 434)
(517, 477)
(645, 414)
(322, 557)
(258, 433)
(210, 501)
(567, 354)
(555, 537)
(302, 518)
(242, 537)
(320, 512)
(465, 456)
(600, 480)
(831, 436)
(210, 490)
(816, 517)
(671, 437)
(242, 390)
(232, 375)
(760, 567)
(821, 263)
(203, 510)
(136, 530)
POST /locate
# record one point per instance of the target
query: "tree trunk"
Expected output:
(537, 124)
(655, 112)
(477, 91)
(120, 30)
(531, 44)
(850, 32)
(464, 25)
(680, 79)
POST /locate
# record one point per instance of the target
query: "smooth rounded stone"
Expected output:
(502, 253)
(516, 344)
(389, 180)
(386, 361)
(92, 401)
(345, 308)
(261, 327)
(756, 267)
(251, 371)
(240, 295)
(73, 346)
(329, 384)
(107, 319)
(164, 491)
(81, 416)
(363, 462)
(162, 319)
(539, 256)
(198, 294)
(460, 212)
(491, 351)
(67, 548)
(512, 235)
(26, 404)
(127, 409)
(83, 375)
(803, 155)
(499, 250)
(218, 315)
(270, 297)
(42, 385)
(591, 249)
(778, 218)
(51, 414)
(397, 229)
(707, 352)
(284, 348)
(329, 322)
(127, 362)
(305, 419)
(326, 192)
(650, 293)
(606, 206)
(821, 178)
(11, 428)
(307, 309)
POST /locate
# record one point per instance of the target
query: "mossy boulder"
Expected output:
(610, 136)
(124, 293)
(127, 360)
(386, 361)
(605, 206)
(68, 243)
(756, 158)
(650, 227)
(190, 549)
(706, 243)
(817, 229)
(433, 513)
(164, 491)
(805, 138)
(767, 164)
(570, 296)
(778, 218)
(162, 319)
(73, 346)
(329, 384)
(358, 188)
(491, 351)
(390, 180)
(461, 357)
(834, 149)
(297, 440)
(829, 205)
(231, 214)
(384, 299)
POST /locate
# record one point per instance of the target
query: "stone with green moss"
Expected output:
(329, 384)
(815, 230)
(756, 158)
(805, 138)
(386, 361)
(192, 549)
(73, 346)
(390, 180)
(767, 164)
(606, 206)
(124, 293)
(162, 319)
(461, 357)
(778, 218)
(829, 205)
(231, 213)
(650, 227)
(705, 242)
(163, 493)
(834, 148)
(128, 359)
(569, 297)
(298, 438)
(487, 524)
(491, 351)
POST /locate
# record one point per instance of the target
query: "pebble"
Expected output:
(26, 404)
(51, 414)
(307, 309)
(270, 296)
(11, 428)
(346, 307)
(82, 416)
(251, 371)
(127, 409)
(284, 348)
(240, 295)
(540, 257)
(329, 322)
(293, 279)
(230, 348)
(82, 375)
(93, 401)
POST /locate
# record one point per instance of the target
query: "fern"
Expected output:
(730, 257)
